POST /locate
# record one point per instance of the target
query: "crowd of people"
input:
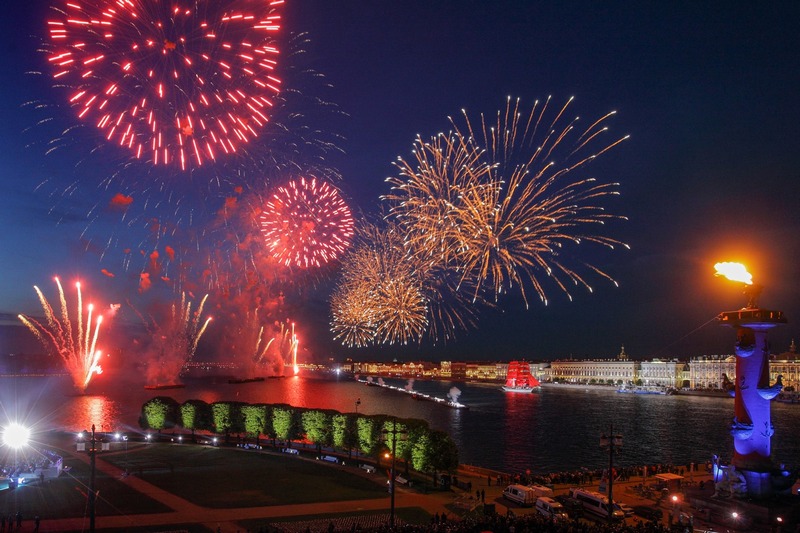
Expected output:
(585, 476)
(496, 523)
(36, 460)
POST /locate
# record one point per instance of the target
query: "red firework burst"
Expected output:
(177, 82)
(306, 223)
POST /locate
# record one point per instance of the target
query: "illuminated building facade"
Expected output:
(619, 371)
(658, 373)
(787, 366)
(712, 372)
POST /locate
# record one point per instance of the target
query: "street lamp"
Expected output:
(92, 494)
(611, 441)
(358, 402)
(16, 436)
(676, 515)
(393, 432)
(125, 438)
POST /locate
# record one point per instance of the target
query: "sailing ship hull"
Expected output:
(524, 390)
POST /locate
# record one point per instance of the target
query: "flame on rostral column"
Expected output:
(738, 272)
(734, 272)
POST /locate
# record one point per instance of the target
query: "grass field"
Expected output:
(225, 477)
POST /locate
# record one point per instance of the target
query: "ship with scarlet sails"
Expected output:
(520, 379)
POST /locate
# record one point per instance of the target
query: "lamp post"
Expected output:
(393, 432)
(611, 441)
(125, 438)
(92, 495)
(358, 402)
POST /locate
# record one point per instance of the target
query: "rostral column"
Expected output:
(752, 426)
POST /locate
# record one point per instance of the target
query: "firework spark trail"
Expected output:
(306, 223)
(173, 340)
(499, 202)
(77, 349)
(268, 348)
(179, 86)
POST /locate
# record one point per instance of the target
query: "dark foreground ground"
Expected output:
(172, 486)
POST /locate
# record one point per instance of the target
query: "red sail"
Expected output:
(519, 376)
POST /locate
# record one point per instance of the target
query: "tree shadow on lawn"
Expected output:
(225, 478)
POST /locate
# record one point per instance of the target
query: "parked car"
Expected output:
(650, 513)
(625, 508)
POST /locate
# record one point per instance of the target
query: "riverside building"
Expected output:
(704, 372)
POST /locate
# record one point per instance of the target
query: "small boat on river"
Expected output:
(244, 380)
(165, 387)
(643, 390)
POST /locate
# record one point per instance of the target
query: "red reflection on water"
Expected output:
(101, 411)
(519, 420)
(296, 391)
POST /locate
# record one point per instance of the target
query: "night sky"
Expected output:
(708, 93)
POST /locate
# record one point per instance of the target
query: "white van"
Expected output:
(541, 490)
(595, 503)
(521, 494)
(551, 509)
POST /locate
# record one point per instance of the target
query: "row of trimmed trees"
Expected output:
(417, 445)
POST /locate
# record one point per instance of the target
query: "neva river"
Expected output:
(555, 430)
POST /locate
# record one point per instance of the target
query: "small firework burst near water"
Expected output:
(174, 340)
(75, 343)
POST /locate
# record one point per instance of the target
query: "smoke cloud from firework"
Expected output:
(454, 394)
(75, 343)
(265, 349)
(173, 338)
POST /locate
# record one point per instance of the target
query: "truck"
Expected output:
(525, 496)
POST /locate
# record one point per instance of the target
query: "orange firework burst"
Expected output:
(500, 199)
(75, 343)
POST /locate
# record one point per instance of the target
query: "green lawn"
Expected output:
(224, 478)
